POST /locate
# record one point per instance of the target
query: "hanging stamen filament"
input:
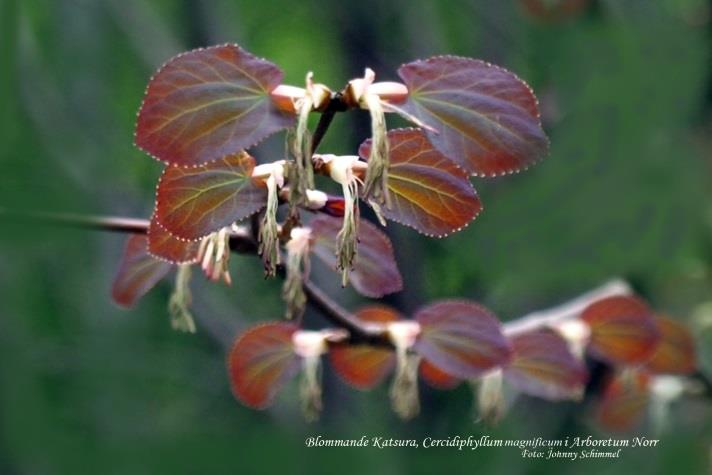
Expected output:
(180, 300)
(269, 229)
(301, 176)
(376, 182)
(214, 255)
(489, 397)
(310, 345)
(298, 248)
(341, 169)
(404, 390)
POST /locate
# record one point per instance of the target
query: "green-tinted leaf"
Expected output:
(375, 271)
(365, 366)
(138, 272)
(193, 202)
(487, 118)
(261, 361)
(208, 103)
(429, 192)
(164, 245)
(542, 365)
(624, 401)
(623, 330)
(675, 353)
(461, 338)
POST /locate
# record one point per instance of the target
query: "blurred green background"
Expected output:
(626, 94)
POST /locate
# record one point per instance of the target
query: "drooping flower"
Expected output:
(301, 176)
(180, 301)
(298, 248)
(273, 173)
(404, 390)
(376, 182)
(342, 169)
(310, 345)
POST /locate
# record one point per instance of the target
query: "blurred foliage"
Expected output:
(626, 94)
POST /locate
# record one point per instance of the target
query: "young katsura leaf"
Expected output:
(623, 330)
(208, 103)
(625, 401)
(375, 271)
(163, 245)
(436, 377)
(261, 361)
(365, 366)
(428, 191)
(138, 272)
(675, 353)
(193, 202)
(542, 365)
(486, 118)
(461, 338)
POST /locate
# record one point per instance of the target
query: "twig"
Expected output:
(358, 331)
(336, 104)
(565, 311)
(102, 223)
(241, 241)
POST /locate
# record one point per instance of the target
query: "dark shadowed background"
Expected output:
(626, 94)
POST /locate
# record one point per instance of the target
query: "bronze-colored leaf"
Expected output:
(365, 366)
(138, 272)
(675, 353)
(163, 245)
(193, 202)
(209, 103)
(261, 361)
(462, 338)
(542, 365)
(485, 118)
(375, 272)
(428, 191)
(623, 330)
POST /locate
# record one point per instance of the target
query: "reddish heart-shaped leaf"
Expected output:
(486, 118)
(365, 366)
(208, 103)
(428, 192)
(623, 330)
(375, 271)
(542, 365)
(461, 338)
(437, 378)
(261, 361)
(624, 401)
(675, 353)
(138, 272)
(193, 202)
(164, 245)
